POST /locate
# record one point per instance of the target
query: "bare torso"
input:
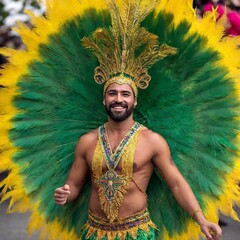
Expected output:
(135, 200)
(151, 151)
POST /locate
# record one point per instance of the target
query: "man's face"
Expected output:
(119, 101)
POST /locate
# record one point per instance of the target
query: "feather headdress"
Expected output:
(126, 50)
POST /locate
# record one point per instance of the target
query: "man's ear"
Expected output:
(104, 102)
(135, 103)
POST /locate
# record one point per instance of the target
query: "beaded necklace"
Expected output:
(112, 159)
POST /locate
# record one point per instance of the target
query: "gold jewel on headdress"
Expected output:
(126, 50)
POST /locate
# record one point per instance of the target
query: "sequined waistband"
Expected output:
(119, 224)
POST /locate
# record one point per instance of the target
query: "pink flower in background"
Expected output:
(208, 7)
(234, 21)
(233, 17)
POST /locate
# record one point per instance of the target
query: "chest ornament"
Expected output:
(111, 185)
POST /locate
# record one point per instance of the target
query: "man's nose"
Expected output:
(119, 98)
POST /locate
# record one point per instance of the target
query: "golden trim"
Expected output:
(120, 224)
(121, 80)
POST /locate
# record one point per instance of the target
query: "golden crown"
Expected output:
(125, 50)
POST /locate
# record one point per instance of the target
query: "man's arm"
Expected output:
(76, 178)
(180, 188)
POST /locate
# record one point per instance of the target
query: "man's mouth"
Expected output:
(117, 106)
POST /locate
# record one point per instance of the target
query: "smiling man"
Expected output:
(121, 155)
(120, 172)
(119, 102)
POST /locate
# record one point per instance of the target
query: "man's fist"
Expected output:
(61, 194)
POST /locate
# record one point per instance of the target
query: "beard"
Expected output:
(121, 116)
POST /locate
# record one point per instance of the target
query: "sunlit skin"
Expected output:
(118, 100)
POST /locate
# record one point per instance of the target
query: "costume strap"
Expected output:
(139, 188)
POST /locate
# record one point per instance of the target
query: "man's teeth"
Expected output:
(118, 107)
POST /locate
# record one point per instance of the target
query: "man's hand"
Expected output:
(61, 194)
(211, 230)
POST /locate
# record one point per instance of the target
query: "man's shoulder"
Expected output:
(153, 141)
(151, 136)
(89, 137)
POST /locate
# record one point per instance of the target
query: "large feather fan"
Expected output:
(50, 99)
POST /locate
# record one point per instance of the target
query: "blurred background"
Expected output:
(13, 226)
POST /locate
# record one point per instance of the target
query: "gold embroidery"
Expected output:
(111, 204)
(97, 161)
(120, 228)
(120, 233)
(120, 181)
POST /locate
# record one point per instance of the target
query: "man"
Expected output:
(127, 186)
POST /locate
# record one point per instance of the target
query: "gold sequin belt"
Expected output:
(119, 224)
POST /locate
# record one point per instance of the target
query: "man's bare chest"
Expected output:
(142, 157)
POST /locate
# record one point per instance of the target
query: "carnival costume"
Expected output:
(185, 77)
